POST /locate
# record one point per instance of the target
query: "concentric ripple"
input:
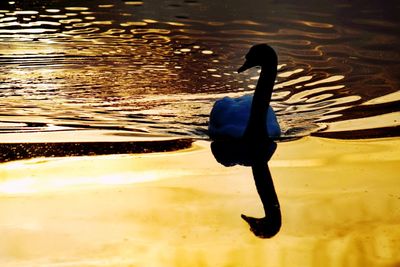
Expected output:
(158, 66)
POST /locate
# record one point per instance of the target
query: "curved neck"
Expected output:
(256, 127)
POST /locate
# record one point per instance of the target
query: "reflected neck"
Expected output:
(257, 128)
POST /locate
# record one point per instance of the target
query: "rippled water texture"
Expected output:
(158, 66)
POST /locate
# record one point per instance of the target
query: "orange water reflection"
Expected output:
(340, 207)
(106, 57)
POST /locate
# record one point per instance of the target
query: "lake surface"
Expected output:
(158, 66)
(109, 71)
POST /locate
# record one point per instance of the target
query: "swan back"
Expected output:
(230, 116)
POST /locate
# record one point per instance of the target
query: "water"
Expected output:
(157, 66)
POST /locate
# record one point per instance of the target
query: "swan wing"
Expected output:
(229, 118)
(273, 128)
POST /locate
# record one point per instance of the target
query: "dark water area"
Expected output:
(158, 66)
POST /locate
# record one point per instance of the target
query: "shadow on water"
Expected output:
(256, 156)
(25, 150)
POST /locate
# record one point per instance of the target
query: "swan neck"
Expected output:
(257, 127)
(265, 85)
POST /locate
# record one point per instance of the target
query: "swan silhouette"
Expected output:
(241, 130)
(249, 116)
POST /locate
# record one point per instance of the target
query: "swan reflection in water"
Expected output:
(242, 130)
(230, 153)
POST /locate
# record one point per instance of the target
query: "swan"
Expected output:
(249, 116)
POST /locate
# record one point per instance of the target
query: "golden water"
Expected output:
(158, 66)
(80, 72)
(340, 205)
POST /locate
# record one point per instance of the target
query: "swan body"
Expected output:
(249, 117)
(230, 116)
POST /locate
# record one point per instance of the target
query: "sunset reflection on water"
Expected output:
(160, 66)
(83, 81)
(339, 207)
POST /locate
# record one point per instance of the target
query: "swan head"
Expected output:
(260, 55)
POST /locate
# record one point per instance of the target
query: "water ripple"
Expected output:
(121, 64)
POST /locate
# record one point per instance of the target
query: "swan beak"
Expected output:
(246, 65)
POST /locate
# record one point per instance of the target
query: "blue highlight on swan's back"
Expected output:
(230, 116)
